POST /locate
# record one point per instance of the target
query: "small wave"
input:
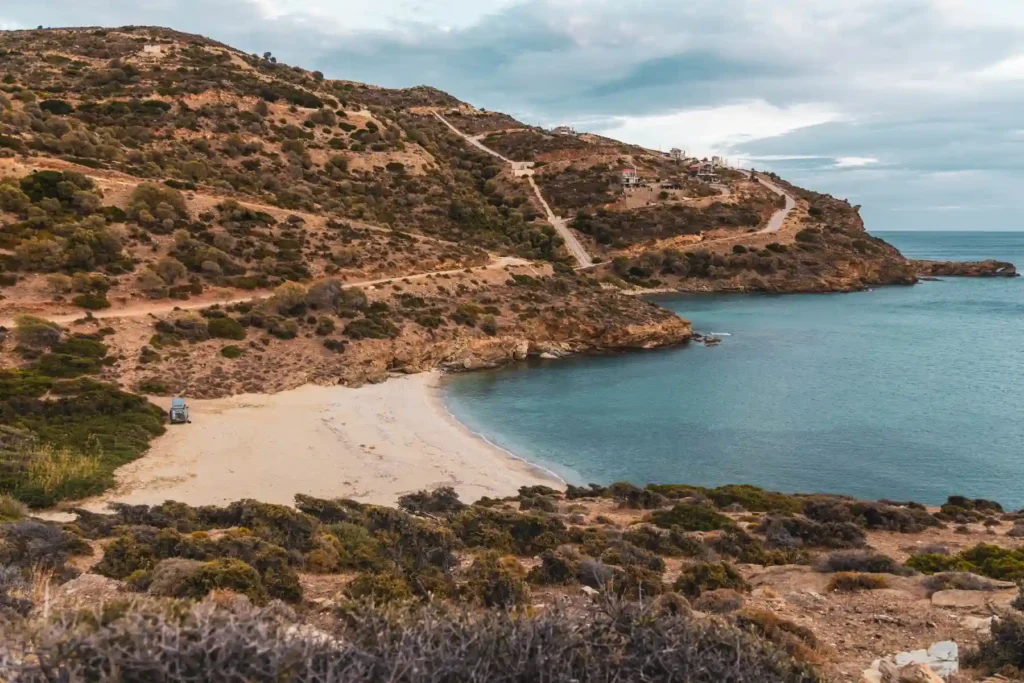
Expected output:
(719, 334)
(501, 448)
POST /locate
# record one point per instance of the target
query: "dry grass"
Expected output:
(50, 467)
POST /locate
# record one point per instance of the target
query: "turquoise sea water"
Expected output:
(901, 392)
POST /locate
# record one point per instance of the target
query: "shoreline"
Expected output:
(372, 444)
(437, 397)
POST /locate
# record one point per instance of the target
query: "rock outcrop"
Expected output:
(988, 268)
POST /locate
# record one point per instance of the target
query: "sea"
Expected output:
(904, 393)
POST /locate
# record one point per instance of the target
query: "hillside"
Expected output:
(179, 218)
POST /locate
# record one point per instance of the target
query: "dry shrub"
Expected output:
(214, 643)
(852, 582)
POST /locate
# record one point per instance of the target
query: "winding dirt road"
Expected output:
(163, 307)
(561, 226)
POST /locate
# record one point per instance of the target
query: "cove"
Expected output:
(900, 393)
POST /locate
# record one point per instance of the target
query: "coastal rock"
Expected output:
(988, 268)
(942, 659)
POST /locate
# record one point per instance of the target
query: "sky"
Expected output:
(910, 108)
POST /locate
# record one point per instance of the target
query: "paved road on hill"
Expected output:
(780, 216)
(561, 226)
(164, 307)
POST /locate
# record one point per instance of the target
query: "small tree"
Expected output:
(170, 269)
(58, 283)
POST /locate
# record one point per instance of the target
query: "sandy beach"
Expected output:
(372, 444)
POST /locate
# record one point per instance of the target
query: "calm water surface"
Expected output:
(902, 392)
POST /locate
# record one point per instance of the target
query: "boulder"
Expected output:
(961, 599)
(918, 673)
(940, 660)
(943, 657)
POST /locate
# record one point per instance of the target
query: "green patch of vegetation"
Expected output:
(709, 576)
(983, 559)
(691, 517)
(852, 582)
(231, 351)
(225, 328)
(66, 434)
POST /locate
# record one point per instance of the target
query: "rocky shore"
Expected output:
(987, 268)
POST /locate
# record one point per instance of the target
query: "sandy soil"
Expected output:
(372, 444)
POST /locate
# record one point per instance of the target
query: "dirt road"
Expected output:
(561, 226)
(145, 308)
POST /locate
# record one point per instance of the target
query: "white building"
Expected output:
(677, 154)
(564, 130)
(630, 177)
(719, 162)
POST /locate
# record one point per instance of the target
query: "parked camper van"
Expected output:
(178, 413)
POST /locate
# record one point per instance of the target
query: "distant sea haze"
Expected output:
(906, 393)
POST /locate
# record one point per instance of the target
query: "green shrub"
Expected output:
(231, 351)
(868, 561)
(933, 563)
(691, 517)
(557, 567)
(380, 587)
(441, 500)
(851, 582)
(92, 302)
(225, 328)
(709, 576)
(227, 574)
(496, 581)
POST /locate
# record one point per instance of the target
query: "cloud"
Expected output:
(855, 162)
(810, 88)
(714, 130)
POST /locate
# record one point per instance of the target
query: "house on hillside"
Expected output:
(630, 178)
(677, 154)
(704, 170)
(564, 130)
(719, 162)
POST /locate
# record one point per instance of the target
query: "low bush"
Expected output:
(231, 351)
(709, 576)
(691, 517)
(496, 581)
(424, 645)
(92, 302)
(441, 500)
(867, 561)
(964, 581)
(983, 559)
(792, 531)
(796, 640)
(851, 582)
(225, 328)
(380, 587)
(1004, 649)
(30, 544)
(557, 567)
(721, 601)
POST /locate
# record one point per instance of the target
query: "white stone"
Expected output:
(943, 657)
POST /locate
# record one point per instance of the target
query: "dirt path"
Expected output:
(232, 297)
(571, 241)
(561, 226)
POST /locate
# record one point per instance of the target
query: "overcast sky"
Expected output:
(911, 108)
